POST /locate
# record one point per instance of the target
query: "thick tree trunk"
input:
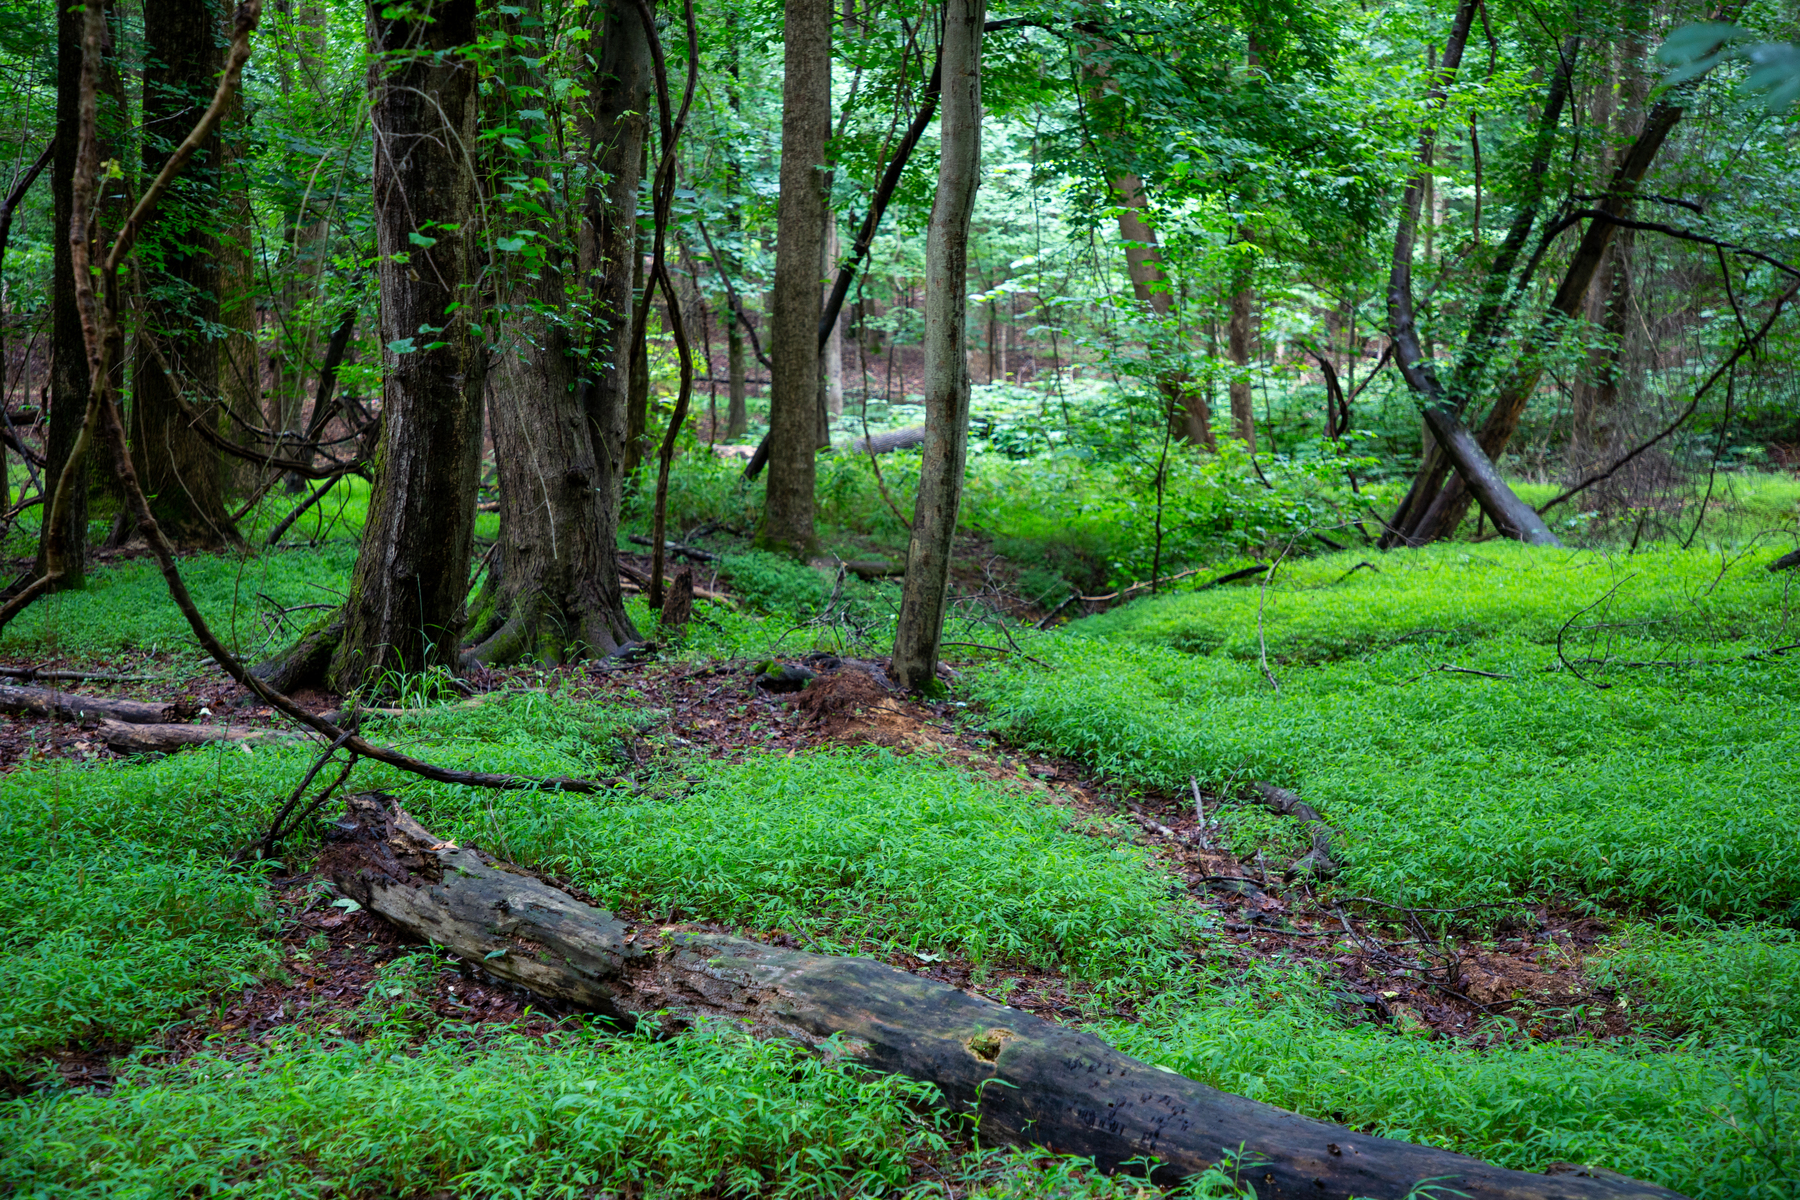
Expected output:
(177, 359)
(405, 611)
(800, 235)
(926, 593)
(553, 595)
(68, 353)
(1026, 1081)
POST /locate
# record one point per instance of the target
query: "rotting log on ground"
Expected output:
(1028, 1082)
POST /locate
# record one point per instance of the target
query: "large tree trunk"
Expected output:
(68, 353)
(405, 611)
(553, 595)
(799, 243)
(926, 593)
(177, 359)
(1026, 1081)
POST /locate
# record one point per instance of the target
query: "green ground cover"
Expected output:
(1668, 794)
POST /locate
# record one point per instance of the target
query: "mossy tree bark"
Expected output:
(925, 596)
(405, 609)
(176, 373)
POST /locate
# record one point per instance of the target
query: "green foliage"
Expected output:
(774, 583)
(1731, 985)
(1672, 788)
(1710, 1126)
(905, 852)
(567, 1115)
(109, 948)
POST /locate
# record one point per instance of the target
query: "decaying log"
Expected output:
(1318, 860)
(912, 437)
(1027, 1081)
(66, 706)
(160, 738)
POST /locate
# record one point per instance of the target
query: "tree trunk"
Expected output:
(618, 128)
(1240, 332)
(800, 235)
(1190, 417)
(1058, 1088)
(405, 611)
(1447, 511)
(177, 359)
(240, 372)
(553, 595)
(833, 370)
(737, 418)
(926, 593)
(1512, 516)
(637, 412)
(1483, 343)
(68, 354)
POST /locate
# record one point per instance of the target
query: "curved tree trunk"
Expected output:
(405, 611)
(183, 474)
(926, 594)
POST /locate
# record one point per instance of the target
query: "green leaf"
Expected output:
(512, 245)
(419, 239)
(493, 954)
(402, 346)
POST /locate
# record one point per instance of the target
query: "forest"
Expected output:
(635, 600)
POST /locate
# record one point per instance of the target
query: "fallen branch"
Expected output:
(681, 549)
(1452, 670)
(1318, 860)
(1026, 1081)
(129, 738)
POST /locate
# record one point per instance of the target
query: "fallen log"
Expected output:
(66, 706)
(129, 738)
(1027, 1081)
(909, 438)
(1318, 860)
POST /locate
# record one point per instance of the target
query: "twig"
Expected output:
(1262, 597)
(1453, 670)
(1364, 565)
(1001, 650)
(1565, 628)
(276, 829)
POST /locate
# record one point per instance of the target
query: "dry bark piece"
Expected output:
(1028, 1082)
(678, 605)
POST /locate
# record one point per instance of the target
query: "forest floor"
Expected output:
(1563, 929)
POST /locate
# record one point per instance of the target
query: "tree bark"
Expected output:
(1026, 1081)
(832, 372)
(1483, 343)
(405, 611)
(926, 593)
(800, 234)
(737, 413)
(182, 473)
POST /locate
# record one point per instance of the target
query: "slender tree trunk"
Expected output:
(737, 420)
(637, 412)
(618, 134)
(1189, 414)
(800, 235)
(834, 341)
(926, 593)
(1240, 333)
(240, 374)
(177, 359)
(405, 611)
(1452, 503)
(1511, 515)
